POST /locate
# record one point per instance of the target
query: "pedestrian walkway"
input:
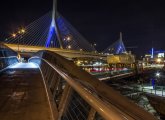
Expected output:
(24, 66)
(22, 94)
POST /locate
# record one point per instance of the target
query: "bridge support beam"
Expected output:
(54, 23)
(91, 115)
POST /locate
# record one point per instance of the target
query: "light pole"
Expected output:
(21, 32)
(14, 36)
(94, 45)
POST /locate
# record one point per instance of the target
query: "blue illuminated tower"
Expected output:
(54, 27)
(152, 51)
(120, 46)
(117, 47)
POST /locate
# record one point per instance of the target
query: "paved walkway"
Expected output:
(22, 95)
(23, 66)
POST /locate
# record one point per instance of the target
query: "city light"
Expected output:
(78, 62)
(14, 35)
(69, 47)
(68, 38)
(22, 30)
(157, 74)
(158, 60)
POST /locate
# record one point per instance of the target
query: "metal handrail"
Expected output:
(95, 102)
(119, 107)
(102, 108)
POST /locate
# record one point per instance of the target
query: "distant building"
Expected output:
(155, 57)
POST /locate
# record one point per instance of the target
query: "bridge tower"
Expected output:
(121, 44)
(121, 37)
(54, 27)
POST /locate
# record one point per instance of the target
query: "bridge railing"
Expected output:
(157, 90)
(76, 95)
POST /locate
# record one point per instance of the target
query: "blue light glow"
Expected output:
(152, 56)
(50, 34)
(23, 66)
(119, 49)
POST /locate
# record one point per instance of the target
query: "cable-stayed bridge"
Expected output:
(53, 32)
(49, 32)
(42, 33)
(50, 87)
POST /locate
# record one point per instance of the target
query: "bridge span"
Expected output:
(63, 52)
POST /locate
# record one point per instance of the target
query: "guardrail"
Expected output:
(157, 90)
(74, 94)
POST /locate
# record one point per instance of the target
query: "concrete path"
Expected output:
(22, 95)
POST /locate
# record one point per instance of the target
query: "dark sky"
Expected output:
(141, 21)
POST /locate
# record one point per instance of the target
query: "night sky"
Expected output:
(142, 23)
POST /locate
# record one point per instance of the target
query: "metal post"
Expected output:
(162, 90)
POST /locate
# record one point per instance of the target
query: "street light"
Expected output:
(21, 32)
(69, 47)
(14, 35)
(68, 38)
(157, 74)
(158, 60)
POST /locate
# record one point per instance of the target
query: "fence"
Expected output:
(76, 95)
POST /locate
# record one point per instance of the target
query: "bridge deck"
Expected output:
(22, 95)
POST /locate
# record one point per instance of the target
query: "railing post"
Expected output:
(162, 90)
(91, 114)
(56, 84)
(64, 100)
